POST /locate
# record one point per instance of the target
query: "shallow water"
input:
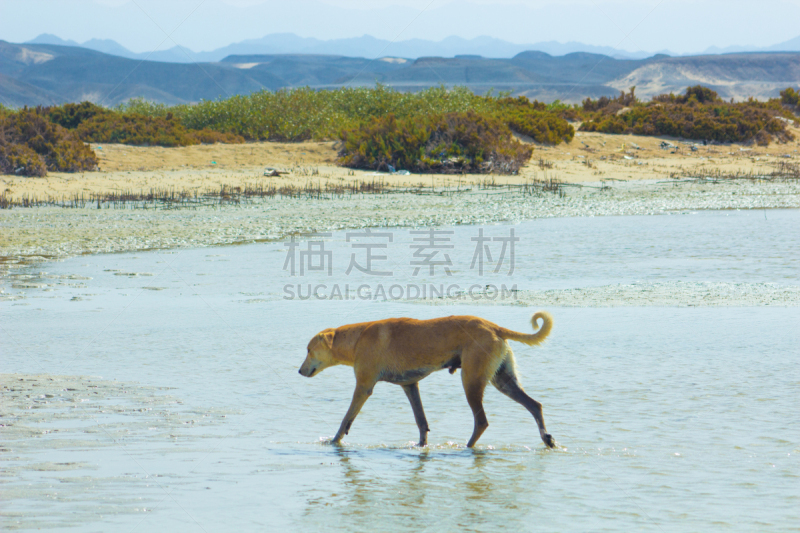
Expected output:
(667, 419)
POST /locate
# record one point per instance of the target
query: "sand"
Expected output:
(590, 157)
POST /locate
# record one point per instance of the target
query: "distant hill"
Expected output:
(72, 74)
(46, 73)
(364, 46)
(759, 74)
(372, 48)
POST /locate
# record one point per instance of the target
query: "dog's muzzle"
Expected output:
(310, 372)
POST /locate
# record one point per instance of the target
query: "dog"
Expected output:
(403, 351)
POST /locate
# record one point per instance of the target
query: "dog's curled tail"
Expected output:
(532, 339)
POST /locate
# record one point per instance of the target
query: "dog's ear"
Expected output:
(327, 337)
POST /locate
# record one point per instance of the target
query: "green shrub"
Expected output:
(27, 132)
(791, 98)
(444, 143)
(71, 116)
(698, 114)
(146, 131)
(140, 106)
(125, 125)
(21, 160)
(565, 111)
(293, 115)
(535, 120)
(607, 106)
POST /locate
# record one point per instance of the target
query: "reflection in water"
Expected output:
(405, 489)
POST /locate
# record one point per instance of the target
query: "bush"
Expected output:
(146, 131)
(30, 144)
(71, 116)
(22, 160)
(294, 115)
(608, 106)
(140, 106)
(791, 98)
(442, 143)
(565, 111)
(125, 125)
(698, 114)
(699, 94)
(535, 120)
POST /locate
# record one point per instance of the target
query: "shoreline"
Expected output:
(600, 175)
(32, 236)
(57, 232)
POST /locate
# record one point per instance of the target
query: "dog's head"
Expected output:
(320, 354)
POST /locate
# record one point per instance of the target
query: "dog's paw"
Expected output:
(549, 440)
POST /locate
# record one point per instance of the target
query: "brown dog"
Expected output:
(404, 350)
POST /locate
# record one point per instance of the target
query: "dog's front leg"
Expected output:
(412, 391)
(360, 396)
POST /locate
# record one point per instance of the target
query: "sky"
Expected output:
(680, 26)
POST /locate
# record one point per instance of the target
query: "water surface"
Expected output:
(667, 419)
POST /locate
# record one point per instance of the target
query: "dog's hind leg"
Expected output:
(412, 391)
(359, 397)
(474, 390)
(474, 375)
(506, 382)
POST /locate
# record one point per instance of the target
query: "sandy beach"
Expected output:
(589, 158)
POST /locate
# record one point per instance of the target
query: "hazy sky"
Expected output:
(682, 26)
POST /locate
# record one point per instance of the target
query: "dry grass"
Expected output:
(784, 171)
(170, 197)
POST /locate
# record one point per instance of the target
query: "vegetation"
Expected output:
(536, 120)
(302, 114)
(294, 115)
(447, 143)
(791, 98)
(33, 141)
(434, 130)
(698, 114)
(93, 123)
(30, 145)
(609, 106)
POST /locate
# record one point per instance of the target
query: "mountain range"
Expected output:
(44, 74)
(372, 48)
(365, 46)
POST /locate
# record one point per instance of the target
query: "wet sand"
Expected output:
(60, 232)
